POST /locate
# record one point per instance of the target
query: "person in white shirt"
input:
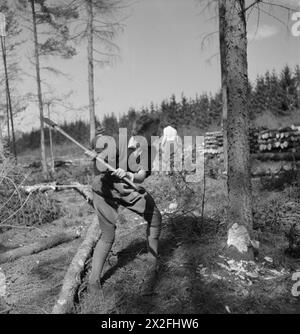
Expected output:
(170, 145)
(169, 135)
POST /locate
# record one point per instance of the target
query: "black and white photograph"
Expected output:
(149, 159)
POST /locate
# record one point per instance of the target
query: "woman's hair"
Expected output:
(100, 130)
(144, 122)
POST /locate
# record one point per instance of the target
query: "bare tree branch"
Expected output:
(252, 5)
(278, 5)
(274, 17)
(207, 37)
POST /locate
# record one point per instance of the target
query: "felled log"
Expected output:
(278, 156)
(39, 187)
(39, 246)
(213, 151)
(62, 163)
(83, 190)
(269, 173)
(57, 164)
(72, 280)
(34, 164)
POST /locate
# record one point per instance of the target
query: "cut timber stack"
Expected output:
(213, 142)
(253, 138)
(281, 140)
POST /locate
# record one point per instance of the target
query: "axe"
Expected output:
(89, 152)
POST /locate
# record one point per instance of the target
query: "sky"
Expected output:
(163, 52)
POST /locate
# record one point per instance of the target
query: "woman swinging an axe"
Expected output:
(110, 191)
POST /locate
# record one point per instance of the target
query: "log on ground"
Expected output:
(39, 246)
(72, 280)
(280, 156)
(84, 190)
(42, 187)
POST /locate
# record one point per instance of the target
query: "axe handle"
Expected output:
(109, 167)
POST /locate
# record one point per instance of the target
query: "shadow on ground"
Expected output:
(174, 288)
(186, 244)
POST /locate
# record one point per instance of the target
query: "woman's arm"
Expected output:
(138, 177)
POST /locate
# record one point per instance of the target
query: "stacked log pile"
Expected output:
(254, 138)
(283, 140)
(213, 142)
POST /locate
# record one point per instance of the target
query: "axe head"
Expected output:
(49, 122)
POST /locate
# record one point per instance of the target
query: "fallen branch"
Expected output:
(14, 213)
(72, 280)
(39, 246)
(11, 196)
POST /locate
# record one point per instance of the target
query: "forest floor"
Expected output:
(194, 275)
(33, 282)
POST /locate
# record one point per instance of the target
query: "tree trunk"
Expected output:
(52, 165)
(7, 123)
(8, 128)
(223, 78)
(8, 96)
(1, 138)
(239, 215)
(90, 46)
(39, 89)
